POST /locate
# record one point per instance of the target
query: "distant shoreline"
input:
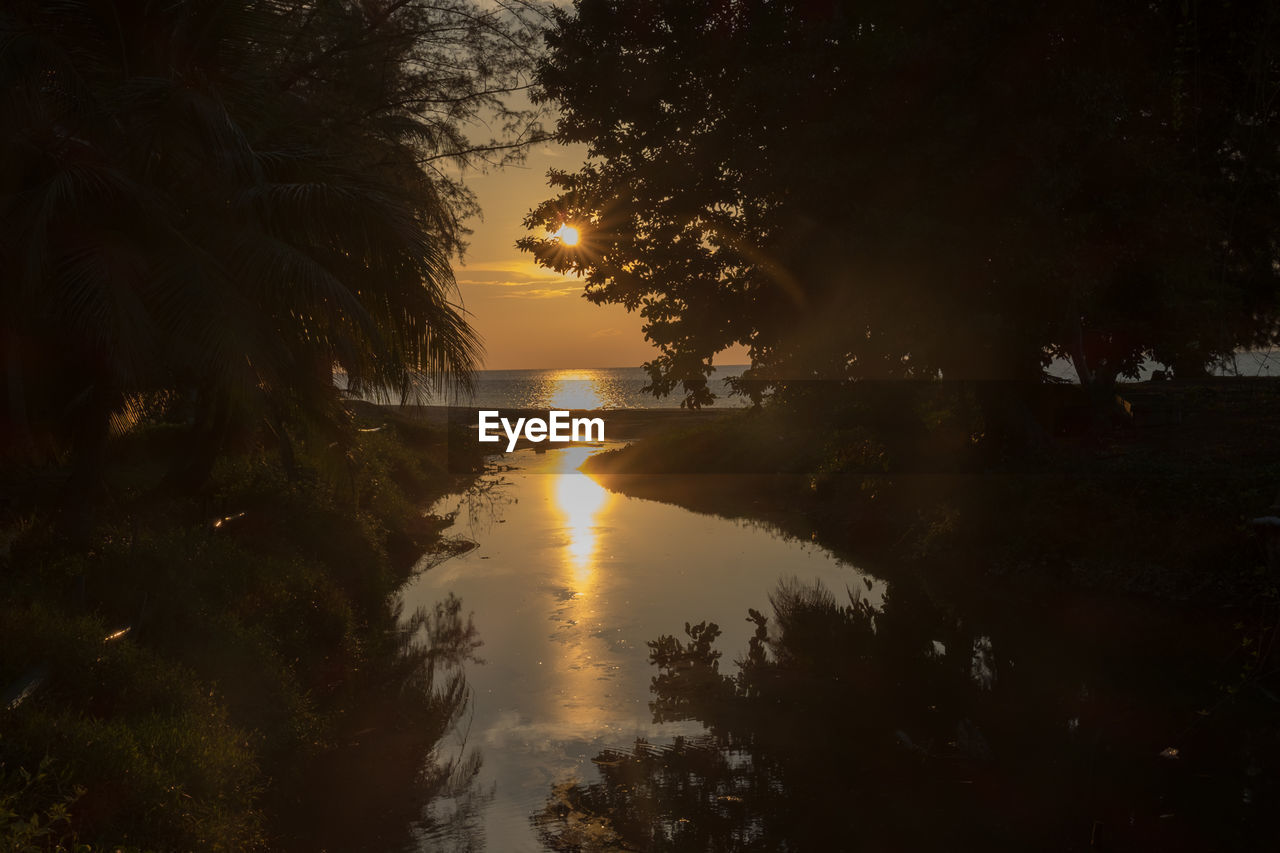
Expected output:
(620, 424)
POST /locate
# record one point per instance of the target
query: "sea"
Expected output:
(623, 387)
(571, 388)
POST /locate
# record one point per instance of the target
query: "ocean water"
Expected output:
(622, 387)
(575, 388)
(587, 388)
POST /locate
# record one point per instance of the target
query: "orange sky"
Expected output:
(531, 317)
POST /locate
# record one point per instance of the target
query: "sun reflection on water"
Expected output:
(582, 665)
(579, 500)
(576, 389)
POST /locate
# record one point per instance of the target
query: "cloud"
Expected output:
(508, 267)
(520, 279)
(540, 292)
(512, 732)
(605, 333)
(506, 279)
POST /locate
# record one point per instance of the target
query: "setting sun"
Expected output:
(568, 235)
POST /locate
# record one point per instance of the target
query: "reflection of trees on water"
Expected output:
(453, 817)
(399, 776)
(437, 644)
(846, 727)
(482, 503)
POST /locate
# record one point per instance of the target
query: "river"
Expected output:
(568, 584)
(880, 711)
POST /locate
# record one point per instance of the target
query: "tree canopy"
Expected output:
(890, 190)
(224, 201)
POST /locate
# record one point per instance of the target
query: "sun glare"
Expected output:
(568, 235)
(580, 501)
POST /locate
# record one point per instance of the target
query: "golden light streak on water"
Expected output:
(580, 501)
(576, 389)
(582, 504)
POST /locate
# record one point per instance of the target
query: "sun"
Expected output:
(568, 235)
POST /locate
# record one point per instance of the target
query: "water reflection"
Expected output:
(580, 500)
(846, 726)
(873, 716)
(393, 776)
(567, 583)
(576, 389)
(583, 506)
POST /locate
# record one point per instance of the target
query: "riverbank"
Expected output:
(210, 672)
(1033, 712)
(1101, 607)
(1157, 507)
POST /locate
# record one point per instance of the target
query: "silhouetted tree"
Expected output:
(218, 203)
(888, 190)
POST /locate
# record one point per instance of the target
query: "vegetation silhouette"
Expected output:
(206, 207)
(898, 190)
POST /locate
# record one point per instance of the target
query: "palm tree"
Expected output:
(225, 201)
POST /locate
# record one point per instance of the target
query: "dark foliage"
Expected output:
(206, 207)
(893, 190)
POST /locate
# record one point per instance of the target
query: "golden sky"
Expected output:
(531, 317)
(528, 316)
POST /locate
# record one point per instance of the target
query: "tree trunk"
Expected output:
(1098, 384)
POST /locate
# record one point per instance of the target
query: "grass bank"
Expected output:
(1157, 506)
(1098, 608)
(206, 673)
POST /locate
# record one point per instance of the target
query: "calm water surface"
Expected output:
(564, 388)
(568, 584)
(960, 712)
(584, 388)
